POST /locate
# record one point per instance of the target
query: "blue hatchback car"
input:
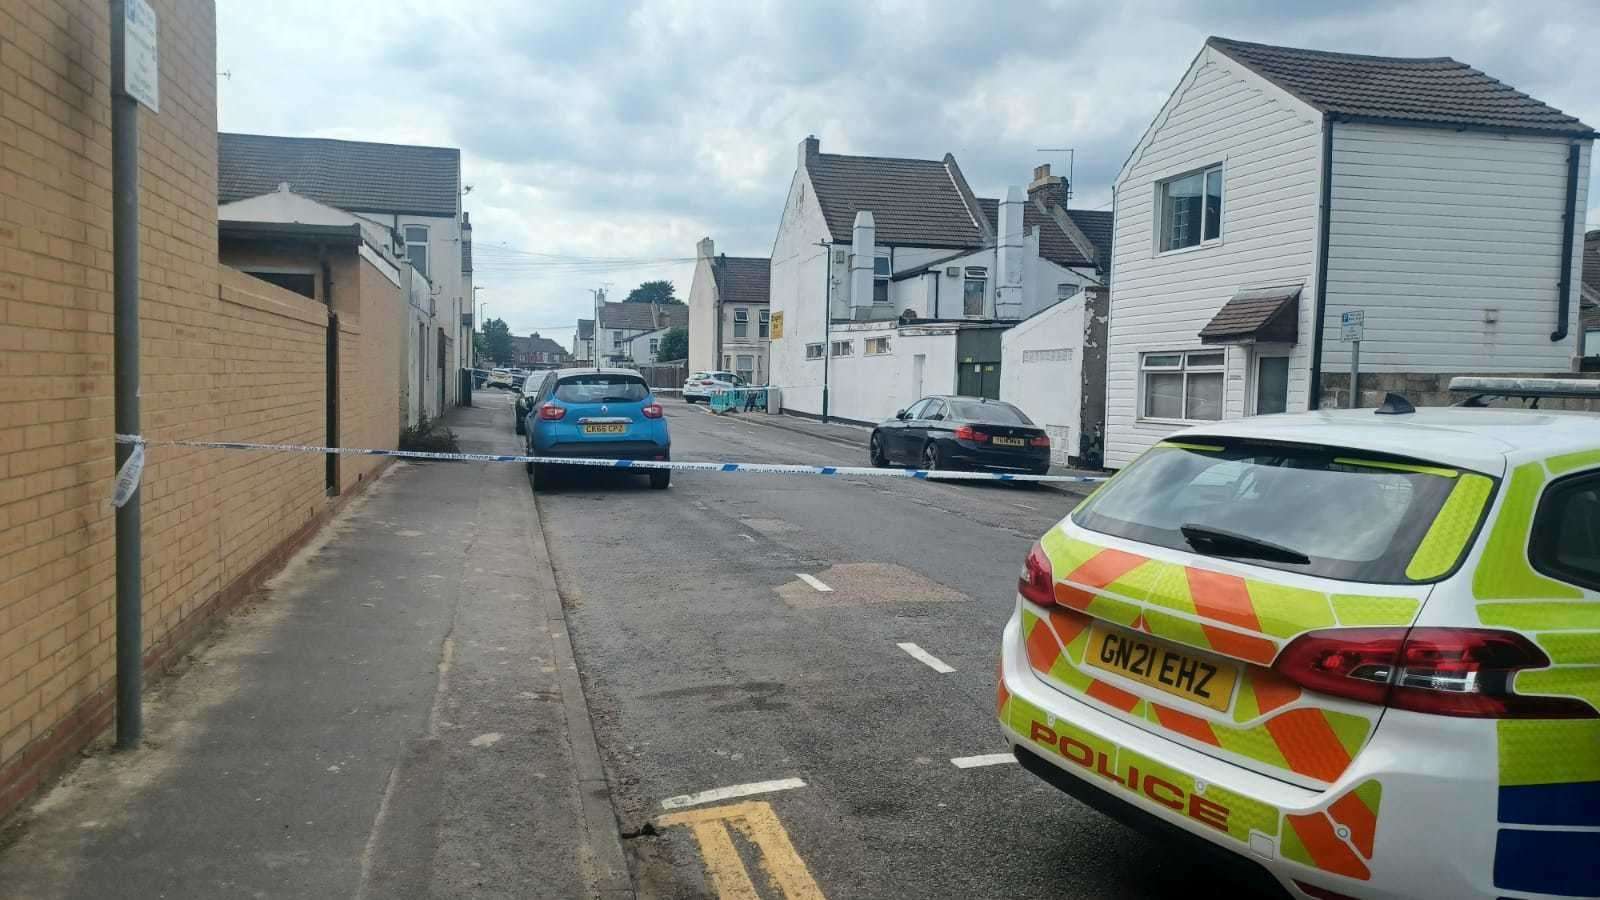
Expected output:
(596, 414)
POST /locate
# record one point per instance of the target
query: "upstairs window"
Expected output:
(877, 346)
(814, 351)
(417, 248)
(764, 326)
(1191, 209)
(655, 345)
(842, 348)
(880, 279)
(741, 322)
(973, 289)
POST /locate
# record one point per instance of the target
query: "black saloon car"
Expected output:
(960, 433)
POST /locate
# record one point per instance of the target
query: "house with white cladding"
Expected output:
(894, 281)
(1280, 188)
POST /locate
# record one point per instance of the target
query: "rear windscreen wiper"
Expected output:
(1216, 542)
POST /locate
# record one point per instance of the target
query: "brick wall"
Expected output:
(1425, 389)
(224, 356)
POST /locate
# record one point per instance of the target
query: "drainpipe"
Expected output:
(827, 319)
(1324, 214)
(1564, 283)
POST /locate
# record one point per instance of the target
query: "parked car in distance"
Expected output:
(596, 414)
(1349, 637)
(960, 433)
(701, 385)
(524, 402)
(519, 377)
(498, 378)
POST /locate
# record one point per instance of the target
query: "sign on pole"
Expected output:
(1352, 325)
(777, 325)
(140, 76)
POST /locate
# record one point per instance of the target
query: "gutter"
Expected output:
(1564, 283)
(1325, 213)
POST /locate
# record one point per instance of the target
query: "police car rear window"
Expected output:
(1320, 511)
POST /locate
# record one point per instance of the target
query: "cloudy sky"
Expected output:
(616, 129)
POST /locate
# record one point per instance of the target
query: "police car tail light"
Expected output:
(1464, 672)
(1037, 584)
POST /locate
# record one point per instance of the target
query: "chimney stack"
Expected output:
(706, 248)
(1009, 256)
(809, 148)
(863, 255)
(1047, 189)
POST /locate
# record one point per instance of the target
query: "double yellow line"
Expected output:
(754, 821)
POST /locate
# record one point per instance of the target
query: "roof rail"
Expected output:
(1479, 389)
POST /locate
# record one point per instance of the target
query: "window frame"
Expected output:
(819, 347)
(617, 340)
(655, 346)
(741, 322)
(1541, 535)
(1161, 201)
(882, 278)
(867, 350)
(740, 373)
(1255, 375)
(427, 261)
(764, 324)
(848, 345)
(978, 275)
(1185, 369)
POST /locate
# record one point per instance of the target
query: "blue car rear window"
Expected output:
(601, 389)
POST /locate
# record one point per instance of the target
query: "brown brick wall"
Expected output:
(224, 356)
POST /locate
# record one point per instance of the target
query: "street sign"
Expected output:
(1352, 325)
(777, 325)
(140, 77)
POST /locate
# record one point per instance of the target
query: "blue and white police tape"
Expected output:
(639, 464)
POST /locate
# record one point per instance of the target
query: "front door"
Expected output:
(1272, 385)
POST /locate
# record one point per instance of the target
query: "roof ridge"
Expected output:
(324, 140)
(1218, 41)
(931, 162)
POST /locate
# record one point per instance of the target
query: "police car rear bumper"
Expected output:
(1434, 839)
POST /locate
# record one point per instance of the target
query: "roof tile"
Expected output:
(913, 201)
(353, 175)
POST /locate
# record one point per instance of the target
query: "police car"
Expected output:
(1359, 650)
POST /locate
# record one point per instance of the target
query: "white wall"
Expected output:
(752, 344)
(1035, 378)
(797, 290)
(639, 345)
(703, 311)
(1431, 229)
(1269, 145)
(448, 283)
(871, 388)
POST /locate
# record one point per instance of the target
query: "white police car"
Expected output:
(1360, 650)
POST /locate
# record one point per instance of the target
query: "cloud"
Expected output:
(633, 129)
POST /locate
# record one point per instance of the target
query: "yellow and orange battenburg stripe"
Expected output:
(1244, 618)
(1306, 740)
(1339, 837)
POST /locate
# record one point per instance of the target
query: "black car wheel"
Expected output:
(660, 478)
(932, 459)
(875, 453)
(518, 424)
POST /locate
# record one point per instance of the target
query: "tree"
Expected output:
(653, 292)
(480, 348)
(497, 340)
(674, 344)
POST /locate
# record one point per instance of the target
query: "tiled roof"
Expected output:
(585, 329)
(1054, 244)
(913, 201)
(352, 175)
(644, 316)
(743, 279)
(1264, 314)
(537, 344)
(1433, 90)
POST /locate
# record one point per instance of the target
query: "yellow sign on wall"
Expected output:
(777, 325)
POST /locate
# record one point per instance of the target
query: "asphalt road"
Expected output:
(709, 662)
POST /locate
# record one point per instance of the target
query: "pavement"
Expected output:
(397, 715)
(746, 686)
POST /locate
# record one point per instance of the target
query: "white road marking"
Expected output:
(928, 659)
(814, 582)
(747, 537)
(987, 759)
(1026, 506)
(737, 790)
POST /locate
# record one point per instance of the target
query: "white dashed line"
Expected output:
(1026, 506)
(987, 759)
(738, 790)
(923, 656)
(812, 580)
